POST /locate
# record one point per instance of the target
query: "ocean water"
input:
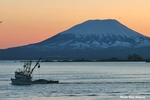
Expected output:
(79, 81)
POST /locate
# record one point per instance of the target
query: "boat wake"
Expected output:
(101, 82)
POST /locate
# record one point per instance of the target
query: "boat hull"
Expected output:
(43, 81)
(40, 81)
(20, 82)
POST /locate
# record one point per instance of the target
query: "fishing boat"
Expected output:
(24, 76)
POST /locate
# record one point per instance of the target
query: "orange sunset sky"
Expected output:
(30, 21)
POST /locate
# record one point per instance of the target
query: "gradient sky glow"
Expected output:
(31, 21)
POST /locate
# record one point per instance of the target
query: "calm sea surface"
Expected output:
(79, 81)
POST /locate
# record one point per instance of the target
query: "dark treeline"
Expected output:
(132, 57)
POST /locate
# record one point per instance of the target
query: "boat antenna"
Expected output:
(37, 63)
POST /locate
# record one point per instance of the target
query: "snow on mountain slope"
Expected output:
(96, 34)
(92, 39)
(101, 27)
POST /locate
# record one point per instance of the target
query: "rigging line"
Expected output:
(39, 72)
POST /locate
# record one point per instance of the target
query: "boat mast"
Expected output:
(37, 63)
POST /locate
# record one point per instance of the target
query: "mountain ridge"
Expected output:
(103, 32)
(92, 39)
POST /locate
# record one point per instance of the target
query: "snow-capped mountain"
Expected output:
(92, 39)
(96, 34)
